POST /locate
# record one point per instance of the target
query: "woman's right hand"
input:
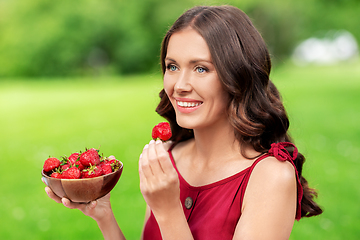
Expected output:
(97, 210)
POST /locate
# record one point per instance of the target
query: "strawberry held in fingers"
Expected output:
(162, 131)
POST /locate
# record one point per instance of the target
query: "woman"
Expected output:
(230, 170)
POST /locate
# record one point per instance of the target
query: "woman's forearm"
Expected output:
(173, 225)
(110, 228)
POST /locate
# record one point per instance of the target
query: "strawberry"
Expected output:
(51, 163)
(79, 165)
(115, 164)
(106, 167)
(73, 158)
(90, 157)
(92, 171)
(56, 175)
(161, 131)
(112, 161)
(65, 166)
(71, 173)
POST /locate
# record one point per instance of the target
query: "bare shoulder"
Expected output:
(269, 204)
(273, 170)
(271, 178)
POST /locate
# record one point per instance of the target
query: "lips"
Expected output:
(187, 106)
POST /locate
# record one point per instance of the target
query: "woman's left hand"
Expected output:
(159, 182)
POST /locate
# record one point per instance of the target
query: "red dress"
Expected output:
(213, 211)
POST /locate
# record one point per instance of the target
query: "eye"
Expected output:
(171, 67)
(201, 69)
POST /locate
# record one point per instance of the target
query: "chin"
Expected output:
(185, 123)
(190, 123)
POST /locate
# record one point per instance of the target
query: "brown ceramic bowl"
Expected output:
(85, 189)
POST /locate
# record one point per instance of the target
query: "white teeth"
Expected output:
(188, 104)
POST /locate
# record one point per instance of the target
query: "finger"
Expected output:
(144, 167)
(141, 172)
(143, 181)
(81, 206)
(43, 180)
(164, 158)
(153, 158)
(52, 195)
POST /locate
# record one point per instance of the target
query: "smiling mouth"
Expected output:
(188, 104)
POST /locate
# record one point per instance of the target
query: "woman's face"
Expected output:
(192, 83)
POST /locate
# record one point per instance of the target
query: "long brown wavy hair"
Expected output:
(243, 64)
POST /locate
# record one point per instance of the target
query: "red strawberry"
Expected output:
(112, 161)
(71, 173)
(106, 168)
(79, 165)
(91, 172)
(73, 157)
(155, 133)
(51, 163)
(162, 131)
(115, 164)
(90, 157)
(55, 175)
(65, 166)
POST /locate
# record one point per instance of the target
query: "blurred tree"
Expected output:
(43, 38)
(278, 25)
(84, 37)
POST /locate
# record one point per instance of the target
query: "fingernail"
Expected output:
(158, 141)
(146, 146)
(140, 155)
(152, 141)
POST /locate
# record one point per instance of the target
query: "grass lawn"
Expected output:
(56, 117)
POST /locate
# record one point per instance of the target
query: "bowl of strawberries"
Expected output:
(83, 176)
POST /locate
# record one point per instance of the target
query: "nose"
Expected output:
(183, 83)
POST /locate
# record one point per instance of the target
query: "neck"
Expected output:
(212, 144)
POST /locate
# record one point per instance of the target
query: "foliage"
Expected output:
(92, 37)
(45, 38)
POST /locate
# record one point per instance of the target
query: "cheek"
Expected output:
(221, 97)
(168, 86)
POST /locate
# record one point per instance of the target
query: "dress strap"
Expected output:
(279, 151)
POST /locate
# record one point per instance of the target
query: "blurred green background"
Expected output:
(76, 74)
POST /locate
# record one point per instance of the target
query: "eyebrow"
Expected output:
(192, 61)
